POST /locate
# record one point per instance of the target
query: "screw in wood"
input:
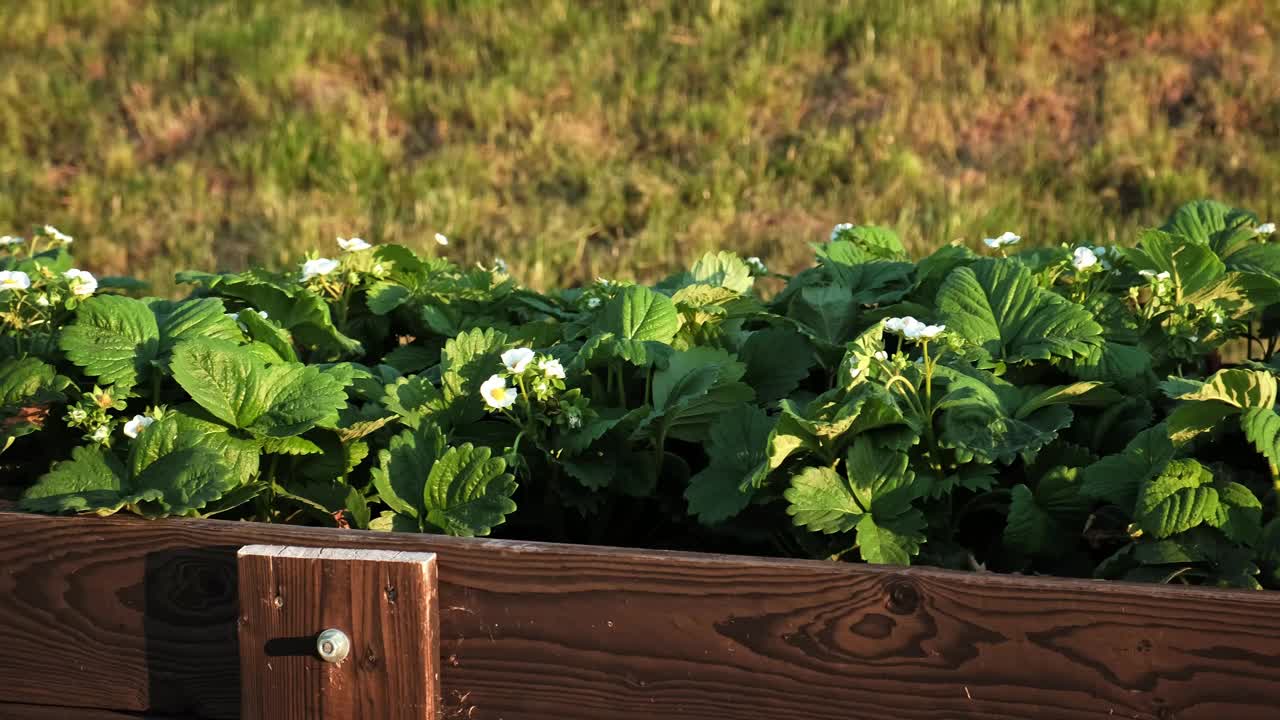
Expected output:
(333, 645)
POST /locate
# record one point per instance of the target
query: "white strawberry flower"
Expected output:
(1083, 258)
(354, 244)
(1005, 238)
(551, 367)
(881, 355)
(928, 332)
(517, 359)
(593, 303)
(840, 228)
(58, 235)
(43, 300)
(135, 426)
(82, 283)
(318, 266)
(14, 280)
(1162, 275)
(441, 239)
(500, 265)
(1265, 228)
(757, 265)
(100, 435)
(913, 329)
(496, 394)
(10, 240)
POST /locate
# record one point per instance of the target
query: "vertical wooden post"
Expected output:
(383, 602)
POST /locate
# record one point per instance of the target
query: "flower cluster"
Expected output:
(92, 413)
(912, 329)
(539, 377)
(757, 266)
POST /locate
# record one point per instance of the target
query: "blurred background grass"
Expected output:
(576, 139)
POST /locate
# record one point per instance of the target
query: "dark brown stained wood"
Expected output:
(384, 601)
(133, 615)
(14, 711)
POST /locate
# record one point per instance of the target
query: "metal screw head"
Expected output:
(333, 645)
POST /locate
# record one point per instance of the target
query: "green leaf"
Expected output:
(383, 297)
(694, 389)
(29, 380)
(1209, 222)
(638, 313)
(1082, 393)
(1262, 427)
(1178, 499)
(822, 501)
(1194, 270)
(465, 363)
(879, 478)
(468, 492)
(1237, 388)
(985, 415)
(893, 541)
(825, 313)
(1029, 528)
(401, 475)
(722, 269)
(290, 446)
(875, 241)
(997, 306)
(1112, 362)
(1241, 517)
(736, 446)
(777, 360)
(195, 318)
(1117, 478)
(413, 400)
(188, 462)
(113, 338)
(297, 309)
(237, 388)
(182, 429)
(268, 333)
(90, 480)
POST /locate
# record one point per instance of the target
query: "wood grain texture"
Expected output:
(384, 601)
(136, 615)
(17, 711)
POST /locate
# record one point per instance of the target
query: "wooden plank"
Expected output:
(17, 711)
(130, 614)
(384, 602)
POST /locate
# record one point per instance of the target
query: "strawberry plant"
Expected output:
(1085, 410)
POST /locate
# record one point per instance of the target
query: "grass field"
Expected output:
(577, 138)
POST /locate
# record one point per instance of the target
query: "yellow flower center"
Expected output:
(498, 394)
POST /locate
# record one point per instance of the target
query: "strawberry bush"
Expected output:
(1085, 411)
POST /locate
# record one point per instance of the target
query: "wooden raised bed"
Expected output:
(121, 618)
